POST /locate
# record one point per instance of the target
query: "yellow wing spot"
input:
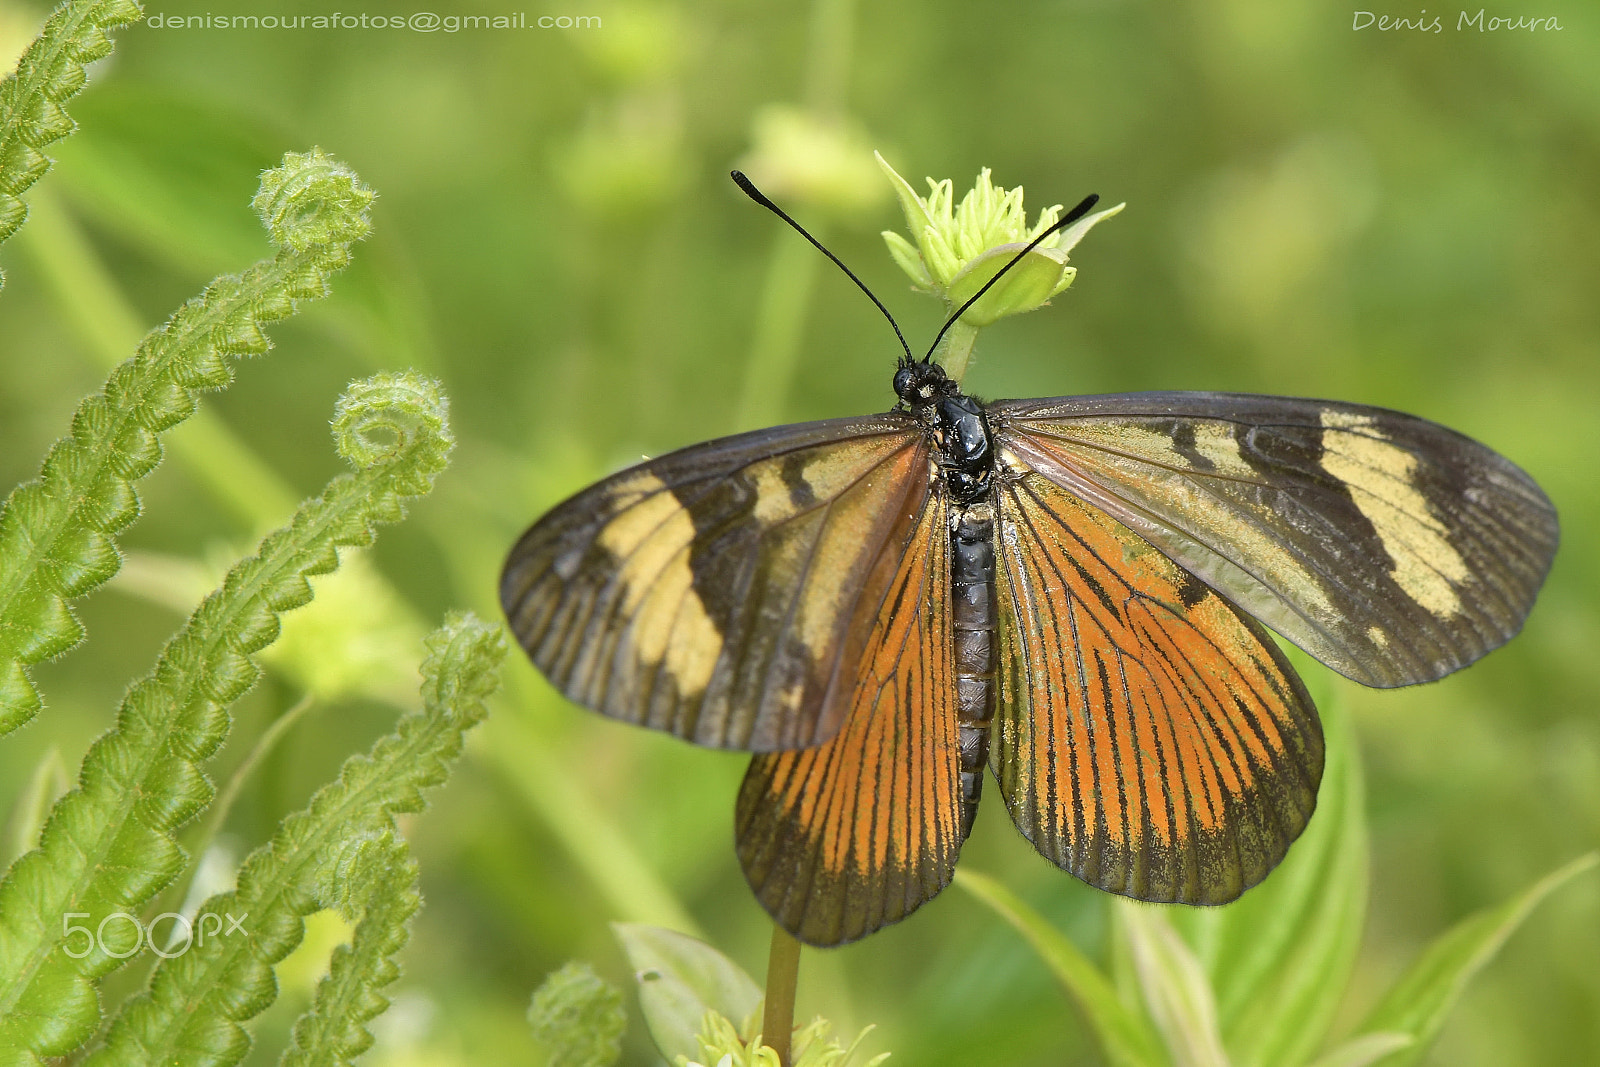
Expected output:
(1129, 450)
(1377, 637)
(773, 503)
(1212, 440)
(841, 543)
(1382, 480)
(669, 624)
(1215, 441)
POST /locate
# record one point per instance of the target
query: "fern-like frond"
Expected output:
(195, 1002)
(56, 532)
(380, 887)
(33, 97)
(108, 844)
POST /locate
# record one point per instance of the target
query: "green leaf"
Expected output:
(577, 1016)
(57, 531)
(1280, 957)
(50, 73)
(1126, 1038)
(913, 205)
(1025, 287)
(1419, 1002)
(1176, 991)
(910, 260)
(322, 856)
(168, 170)
(108, 845)
(680, 979)
(379, 883)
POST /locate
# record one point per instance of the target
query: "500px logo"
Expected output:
(116, 943)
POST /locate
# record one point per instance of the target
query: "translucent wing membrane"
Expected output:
(844, 838)
(724, 592)
(788, 592)
(1151, 739)
(1388, 547)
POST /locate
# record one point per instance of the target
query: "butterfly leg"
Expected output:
(973, 614)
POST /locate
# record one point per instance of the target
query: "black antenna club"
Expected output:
(1083, 208)
(759, 197)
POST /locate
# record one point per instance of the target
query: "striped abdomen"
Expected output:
(973, 616)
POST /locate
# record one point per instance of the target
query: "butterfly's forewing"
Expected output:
(1388, 547)
(724, 592)
(1151, 739)
(844, 838)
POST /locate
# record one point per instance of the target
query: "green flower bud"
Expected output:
(801, 157)
(959, 247)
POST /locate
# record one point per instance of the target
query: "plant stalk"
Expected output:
(780, 319)
(954, 353)
(777, 1014)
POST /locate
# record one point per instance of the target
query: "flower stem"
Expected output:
(954, 353)
(783, 970)
(828, 59)
(780, 318)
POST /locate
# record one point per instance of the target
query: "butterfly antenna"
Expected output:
(759, 197)
(1083, 208)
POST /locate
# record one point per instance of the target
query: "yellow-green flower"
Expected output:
(722, 1045)
(959, 247)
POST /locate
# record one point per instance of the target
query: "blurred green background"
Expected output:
(1398, 218)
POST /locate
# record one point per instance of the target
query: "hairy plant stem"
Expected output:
(777, 1013)
(217, 817)
(954, 353)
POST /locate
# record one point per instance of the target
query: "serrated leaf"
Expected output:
(680, 979)
(1127, 1039)
(338, 850)
(577, 1016)
(109, 845)
(31, 97)
(63, 523)
(1423, 997)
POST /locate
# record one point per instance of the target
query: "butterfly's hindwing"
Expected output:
(724, 592)
(1151, 739)
(844, 838)
(1388, 547)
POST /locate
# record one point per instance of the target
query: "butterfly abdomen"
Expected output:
(973, 614)
(959, 430)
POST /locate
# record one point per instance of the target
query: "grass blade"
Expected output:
(1127, 1040)
(1424, 996)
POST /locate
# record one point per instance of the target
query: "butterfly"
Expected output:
(1073, 591)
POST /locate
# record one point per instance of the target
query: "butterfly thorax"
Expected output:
(957, 425)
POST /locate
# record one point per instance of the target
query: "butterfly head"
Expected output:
(920, 384)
